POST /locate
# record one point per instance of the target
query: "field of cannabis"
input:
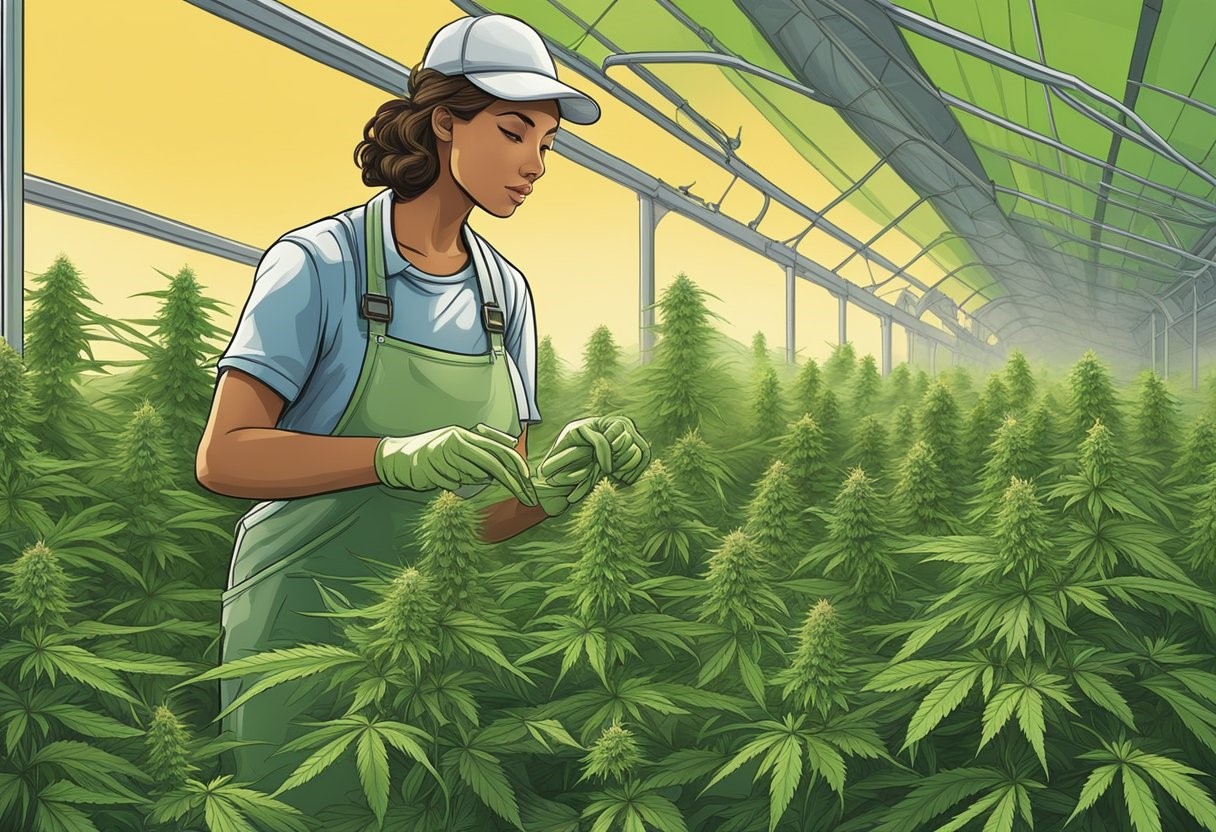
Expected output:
(834, 601)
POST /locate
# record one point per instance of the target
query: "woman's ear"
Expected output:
(441, 123)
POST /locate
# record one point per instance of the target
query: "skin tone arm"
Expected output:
(242, 454)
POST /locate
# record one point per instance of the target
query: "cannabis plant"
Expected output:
(806, 387)
(768, 408)
(870, 447)
(816, 675)
(922, 496)
(681, 386)
(56, 341)
(840, 365)
(1091, 396)
(1156, 419)
(804, 450)
(668, 524)
(867, 387)
(452, 553)
(857, 544)
(775, 519)
(1019, 381)
(938, 427)
(899, 386)
(174, 378)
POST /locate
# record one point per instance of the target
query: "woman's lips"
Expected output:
(517, 195)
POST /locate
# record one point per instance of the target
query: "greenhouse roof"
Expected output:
(1052, 166)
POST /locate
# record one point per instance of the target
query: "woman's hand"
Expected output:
(453, 456)
(587, 449)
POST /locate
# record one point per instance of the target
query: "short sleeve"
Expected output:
(278, 337)
(520, 342)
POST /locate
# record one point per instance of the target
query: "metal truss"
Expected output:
(1180, 214)
(1043, 226)
(1026, 132)
(65, 199)
(1181, 252)
(280, 24)
(1058, 82)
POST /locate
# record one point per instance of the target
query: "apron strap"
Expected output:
(377, 307)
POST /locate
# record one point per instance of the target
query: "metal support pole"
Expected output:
(1194, 334)
(911, 345)
(789, 314)
(647, 223)
(844, 308)
(12, 183)
(1165, 350)
(1153, 318)
(886, 345)
(932, 358)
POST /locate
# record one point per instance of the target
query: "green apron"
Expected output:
(403, 389)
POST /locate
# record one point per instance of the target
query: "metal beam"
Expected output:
(1056, 80)
(1182, 214)
(1014, 127)
(885, 321)
(12, 270)
(1180, 252)
(1150, 11)
(1177, 96)
(790, 308)
(647, 223)
(68, 200)
(1076, 238)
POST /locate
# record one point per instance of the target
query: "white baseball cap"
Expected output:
(507, 58)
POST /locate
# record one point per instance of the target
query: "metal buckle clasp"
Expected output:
(377, 307)
(492, 317)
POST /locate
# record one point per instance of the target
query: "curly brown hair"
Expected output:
(398, 148)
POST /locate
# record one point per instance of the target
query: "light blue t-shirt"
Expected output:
(301, 333)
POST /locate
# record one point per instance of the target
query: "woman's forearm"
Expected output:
(507, 518)
(273, 464)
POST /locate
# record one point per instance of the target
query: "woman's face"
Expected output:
(497, 156)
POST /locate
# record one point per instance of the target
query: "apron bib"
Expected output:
(403, 389)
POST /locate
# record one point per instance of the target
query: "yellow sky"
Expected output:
(167, 107)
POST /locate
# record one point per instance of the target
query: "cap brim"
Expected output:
(533, 86)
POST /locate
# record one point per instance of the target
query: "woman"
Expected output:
(364, 374)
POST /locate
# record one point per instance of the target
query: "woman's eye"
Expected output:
(512, 136)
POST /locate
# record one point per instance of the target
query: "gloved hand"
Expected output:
(612, 445)
(452, 456)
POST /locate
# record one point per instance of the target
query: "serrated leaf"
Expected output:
(1175, 779)
(317, 762)
(1102, 693)
(786, 774)
(1141, 805)
(483, 773)
(1095, 786)
(371, 758)
(998, 711)
(683, 766)
(1030, 720)
(939, 702)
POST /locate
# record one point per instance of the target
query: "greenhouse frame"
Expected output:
(1059, 211)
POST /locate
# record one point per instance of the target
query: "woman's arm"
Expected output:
(243, 454)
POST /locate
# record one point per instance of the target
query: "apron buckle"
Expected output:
(492, 317)
(377, 307)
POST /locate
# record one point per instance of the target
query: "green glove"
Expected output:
(452, 456)
(618, 451)
(554, 499)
